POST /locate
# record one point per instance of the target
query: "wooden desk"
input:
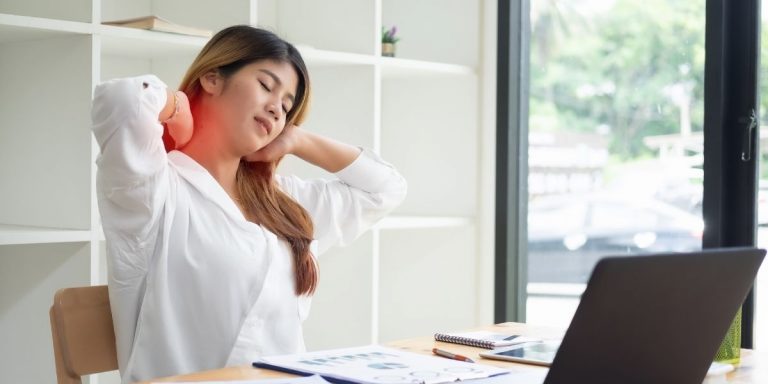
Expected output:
(753, 368)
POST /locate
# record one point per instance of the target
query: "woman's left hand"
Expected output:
(282, 145)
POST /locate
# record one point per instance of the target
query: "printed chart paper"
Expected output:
(381, 365)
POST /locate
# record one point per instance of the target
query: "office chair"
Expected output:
(83, 334)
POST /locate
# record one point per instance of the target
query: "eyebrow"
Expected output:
(277, 80)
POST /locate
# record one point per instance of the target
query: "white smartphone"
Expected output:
(540, 353)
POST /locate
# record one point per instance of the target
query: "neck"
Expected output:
(208, 151)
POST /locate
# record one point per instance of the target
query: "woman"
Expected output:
(211, 254)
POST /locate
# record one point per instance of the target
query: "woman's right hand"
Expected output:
(180, 124)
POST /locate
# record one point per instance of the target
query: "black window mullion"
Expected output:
(511, 240)
(730, 146)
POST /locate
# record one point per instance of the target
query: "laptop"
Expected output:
(653, 318)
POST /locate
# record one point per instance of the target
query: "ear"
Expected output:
(212, 82)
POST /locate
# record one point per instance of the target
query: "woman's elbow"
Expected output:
(394, 195)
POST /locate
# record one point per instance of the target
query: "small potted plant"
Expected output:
(388, 40)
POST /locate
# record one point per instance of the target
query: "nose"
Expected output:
(274, 109)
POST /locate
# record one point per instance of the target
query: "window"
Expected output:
(615, 124)
(606, 101)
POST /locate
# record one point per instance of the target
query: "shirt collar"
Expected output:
(203, 181)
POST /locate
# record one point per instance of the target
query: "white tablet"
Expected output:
(541, 353)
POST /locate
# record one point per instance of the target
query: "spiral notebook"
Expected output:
(483, 339)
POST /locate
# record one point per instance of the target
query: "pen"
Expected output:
(449, 355)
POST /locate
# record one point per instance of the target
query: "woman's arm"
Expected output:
(132, 164)
(326, 153)
(315, 149)
(125, 116)
(366, 190)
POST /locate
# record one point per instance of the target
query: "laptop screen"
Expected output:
(654, 318)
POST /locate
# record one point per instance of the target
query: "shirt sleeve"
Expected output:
(343, 209)
(132, 178)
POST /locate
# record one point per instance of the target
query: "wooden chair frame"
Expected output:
(83, 334)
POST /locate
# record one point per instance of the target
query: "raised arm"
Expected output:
(132, 178)
(126, 125)
(315, 149)
(366, 190)
(326, 153)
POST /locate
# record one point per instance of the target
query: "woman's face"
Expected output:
(253, 104)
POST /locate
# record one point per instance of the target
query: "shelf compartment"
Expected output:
(342, 108)
(30, 275)
(18, 234)
(45, 132)
(451, 35)
(428, 281)
(201, 14)
(70, 10)
(306, 22)
(128, 52)
(345, 288)
(430, 132)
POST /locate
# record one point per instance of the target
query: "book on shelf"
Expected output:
(155, 23)
(483, 339)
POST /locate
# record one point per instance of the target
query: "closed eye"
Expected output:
(263, 85)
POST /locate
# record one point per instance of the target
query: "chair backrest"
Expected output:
(83, 334)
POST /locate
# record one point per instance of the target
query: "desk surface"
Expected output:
(753, 368)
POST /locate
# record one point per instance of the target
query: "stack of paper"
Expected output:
(378, 365)
(293, 380)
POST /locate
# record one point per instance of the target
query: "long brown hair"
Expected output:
(227, 52)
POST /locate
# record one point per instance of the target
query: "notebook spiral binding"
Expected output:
(488, 344)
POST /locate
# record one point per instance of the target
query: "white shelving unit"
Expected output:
(426, 111)
(18, 234)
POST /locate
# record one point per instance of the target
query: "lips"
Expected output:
(264, 123)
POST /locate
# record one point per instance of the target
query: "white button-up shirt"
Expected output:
(193, 285)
